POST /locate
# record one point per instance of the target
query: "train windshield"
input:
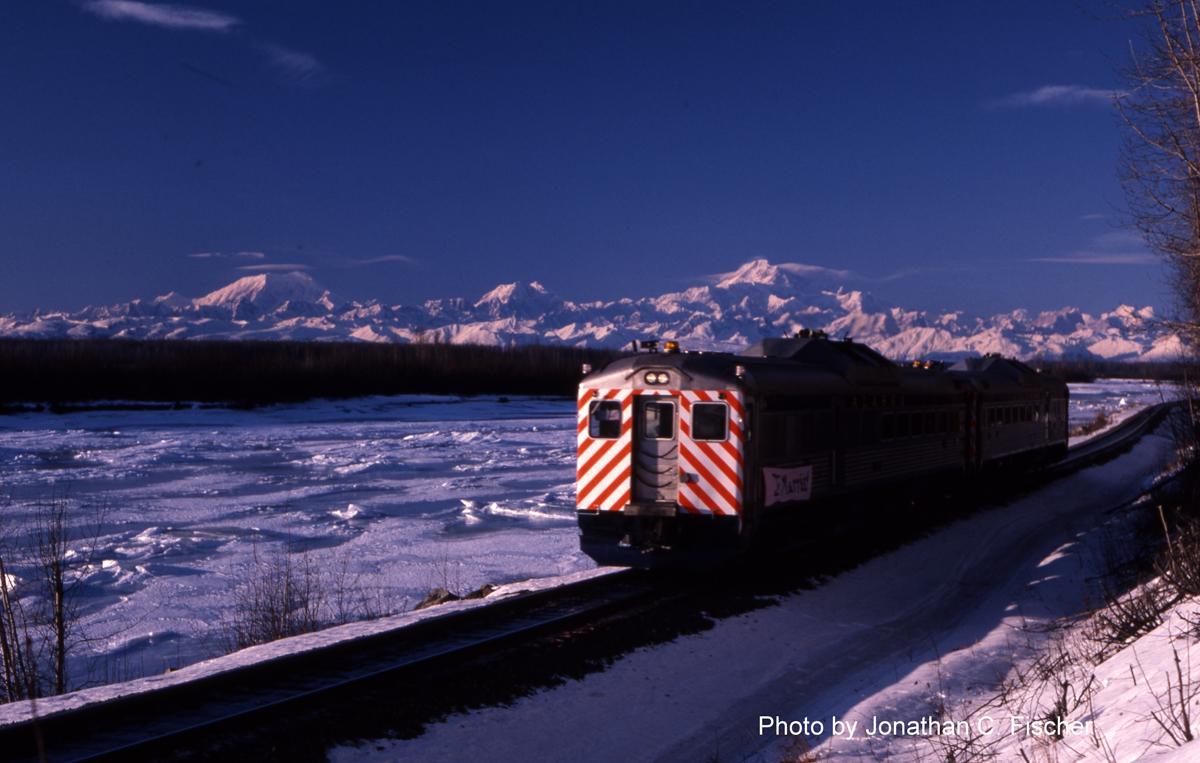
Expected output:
(604, 420)
(709, 421)
(658, 421)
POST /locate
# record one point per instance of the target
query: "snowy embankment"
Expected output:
(19, 712)
(936, 626)
(1114, 399)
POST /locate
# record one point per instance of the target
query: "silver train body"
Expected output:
(685, 455)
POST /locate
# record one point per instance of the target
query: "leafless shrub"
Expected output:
(287, 593)
(1098, 739)
(16, 644)
(1127, 616)
(282, 596)
(1179, 565)
(799, 750)
(348, 599)
(1094, 424)
(1173, 702)
(951, 748)
(39, 616)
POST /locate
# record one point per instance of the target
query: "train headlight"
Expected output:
(653, 377)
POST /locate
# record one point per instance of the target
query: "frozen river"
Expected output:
(395, 496)
(392, 496)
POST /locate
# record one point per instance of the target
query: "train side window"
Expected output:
(870, 428)
(918, 423)
(658, 421)
(799, 432)
(902, 425)
(775, 434)
(889, 426)
(931, 423)
(604, 419)
(851, 426)
(710, 421)
(824, 429)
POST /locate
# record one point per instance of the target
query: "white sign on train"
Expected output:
(783, 485)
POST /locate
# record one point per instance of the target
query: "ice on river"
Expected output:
(1115, 397)
(391, 496)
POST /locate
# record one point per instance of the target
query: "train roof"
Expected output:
(994, 372)
(820, 350)
(815, 364)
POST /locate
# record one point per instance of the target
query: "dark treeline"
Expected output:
(167, 371)
(59, 371)
(1089, 370)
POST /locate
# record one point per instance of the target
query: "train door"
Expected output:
(974, 431)
(655, 449)
(1046, 419)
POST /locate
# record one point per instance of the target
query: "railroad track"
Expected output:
(157, 723)
(1114, 441)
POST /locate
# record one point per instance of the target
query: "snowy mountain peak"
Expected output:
(518, 300)
(786, 275)
(173, 300)
(266, 292)
(507, 293)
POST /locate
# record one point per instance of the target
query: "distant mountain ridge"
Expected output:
(759, 299)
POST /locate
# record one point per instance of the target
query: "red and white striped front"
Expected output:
(711, 472)
(711, 475)
(604, 467)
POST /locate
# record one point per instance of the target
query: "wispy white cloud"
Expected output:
(1100, 258)
(1112, 248)
(352, 263)
(162, 15)
(294, 64)
(1092, 216)
(227, 255)
(1058, 95)
(275, 266)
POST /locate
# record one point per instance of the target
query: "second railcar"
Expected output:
(683, 455)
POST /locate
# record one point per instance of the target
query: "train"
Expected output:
(685, 457)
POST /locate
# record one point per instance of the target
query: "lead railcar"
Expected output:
(686, 456)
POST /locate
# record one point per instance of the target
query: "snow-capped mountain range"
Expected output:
(759, 299)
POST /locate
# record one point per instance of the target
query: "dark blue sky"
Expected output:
(952, 154)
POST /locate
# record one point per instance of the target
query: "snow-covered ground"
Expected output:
(393, 496)
(932, 629)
